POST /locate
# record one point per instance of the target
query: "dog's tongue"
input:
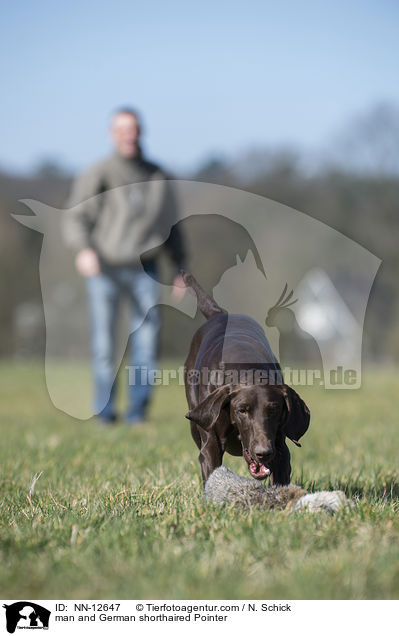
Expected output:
(259, 471)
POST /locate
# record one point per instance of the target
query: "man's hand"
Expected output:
(87, 262)
(179, 288)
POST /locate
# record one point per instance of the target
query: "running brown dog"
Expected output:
(251, 419)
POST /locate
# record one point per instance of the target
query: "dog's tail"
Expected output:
(206, 304)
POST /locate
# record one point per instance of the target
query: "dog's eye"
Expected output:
(243, 409)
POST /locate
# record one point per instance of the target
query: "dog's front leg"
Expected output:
(211, 454)
(281, 466)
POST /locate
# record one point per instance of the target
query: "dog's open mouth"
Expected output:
(257, 470)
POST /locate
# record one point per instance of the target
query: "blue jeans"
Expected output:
(105, 292)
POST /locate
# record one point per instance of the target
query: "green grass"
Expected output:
(118, 514)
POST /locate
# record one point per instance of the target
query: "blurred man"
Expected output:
(110, 233)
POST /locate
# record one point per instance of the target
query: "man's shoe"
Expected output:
(105, 422)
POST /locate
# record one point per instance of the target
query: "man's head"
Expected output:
(125, 132)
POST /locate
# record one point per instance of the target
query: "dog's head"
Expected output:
(260, 414)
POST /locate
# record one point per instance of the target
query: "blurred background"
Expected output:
(298, 102)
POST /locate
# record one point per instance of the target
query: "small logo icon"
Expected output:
(26, 615)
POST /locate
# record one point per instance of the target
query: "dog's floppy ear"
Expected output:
(298, 418)
(206, 412)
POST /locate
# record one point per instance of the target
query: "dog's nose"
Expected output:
(263, 452)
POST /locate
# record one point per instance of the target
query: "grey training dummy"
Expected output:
(224, 486)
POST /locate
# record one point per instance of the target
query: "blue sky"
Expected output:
(210, 78)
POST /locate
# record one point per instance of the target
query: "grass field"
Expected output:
(118, 514)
